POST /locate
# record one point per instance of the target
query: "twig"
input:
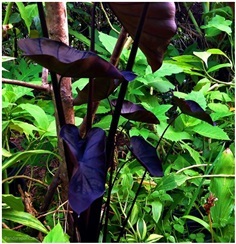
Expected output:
(24, 177)
(108, 20)
(44, 88)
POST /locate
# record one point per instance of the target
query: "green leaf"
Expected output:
(210, 131)
(172, 134)
(141, 229)
(203, 56)
(200, 221)
(37, 113)
(24, 155)
(171, 181)
(13, 202)
(23, 127)
(6, 153)
(134, 214)
(219, 66)
(167, 69)
(108, 41)
(220, 23)
(27, 13)
(24, 219)
(193, 153)
(153, 238)
(12, 236)
(198, 97)
(86, 41)
(56, 235)
(156, 210)
(179, 228)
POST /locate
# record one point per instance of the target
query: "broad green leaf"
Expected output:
(27, 13)
(218, 107)
(108, 41)
(37, 113)
(86, 41)
(171, 181)
(198, 97)
(210, 131)
(219, 66)
(156, 210)
(56, 235)
(24, 219)
(220, 23)
(172, 134)
(203, 56)
(12, 236)
(193, 153)
(24, 155)
(221, 96)
(23, 127)
(153, 238)
(13, 202)
(167, 69)
(141, 228)
(161, 84)
(179, 228)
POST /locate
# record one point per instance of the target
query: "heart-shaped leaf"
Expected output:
(67, 61)
(193, 109)
(88, 180)
(158, 29)
(136, 112)
(146, 155)
(102, 87)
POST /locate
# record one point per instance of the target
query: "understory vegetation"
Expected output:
(172, 173)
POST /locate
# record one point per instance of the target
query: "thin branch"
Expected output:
(24, 177)
(44, 88)
(108, 19)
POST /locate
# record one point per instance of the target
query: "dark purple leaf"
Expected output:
(136, 112)
(88, 179)
(193, 109)
(158, 29)
(67, 61)
(103, 87)
(146, 155)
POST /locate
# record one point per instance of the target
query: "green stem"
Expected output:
(8, 13)
(193, 19)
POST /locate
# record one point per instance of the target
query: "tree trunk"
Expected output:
(56, 18)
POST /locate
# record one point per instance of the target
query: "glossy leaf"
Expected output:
(146, 155)
(88, 179)
(56, 235)
(13, 202)
(103, 87)
(192, 108)
(67, 61)
(158, 29)
(12, 236)
(136, 112)
(23, 218)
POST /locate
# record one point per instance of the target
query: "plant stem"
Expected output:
(24, 177)
(193, 19)
(45, 88)
(163, 133)
(116, 116)
(8, 13)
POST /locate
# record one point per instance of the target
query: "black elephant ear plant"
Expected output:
(151, 26)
